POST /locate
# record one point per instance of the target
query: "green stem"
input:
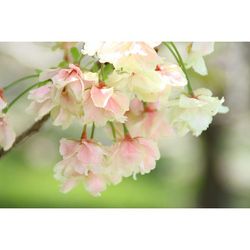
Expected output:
(172, 51)
(113, 130)
(84, 132)
(92, 131)
(19, 80)
(125, 129)
(23, 93)
(181, 63)
(101, 73)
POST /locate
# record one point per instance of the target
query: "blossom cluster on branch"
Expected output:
(131, 92)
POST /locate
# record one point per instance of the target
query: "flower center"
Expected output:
(158, 68)
(101, 85)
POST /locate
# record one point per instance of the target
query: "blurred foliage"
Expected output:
(22, 185)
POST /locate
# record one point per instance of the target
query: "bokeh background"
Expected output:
(212, 170)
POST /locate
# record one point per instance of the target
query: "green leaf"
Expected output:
(75, 54)
(63, 64)
(95, 67)
(106, 70)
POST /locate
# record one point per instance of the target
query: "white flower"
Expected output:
(192, 54)
(195, 54)
(123, 54)
(195, 113)
(146, 85)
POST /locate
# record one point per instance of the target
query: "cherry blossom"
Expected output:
(195, 53)
(42, 100)
(122, 54)
(63, 97)
(149, 85)
(195, 113)
(82, 162)
(104, 103)
(147, 120)
(130, 156)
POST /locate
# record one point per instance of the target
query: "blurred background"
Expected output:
(212, 170)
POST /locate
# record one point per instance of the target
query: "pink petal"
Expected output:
(77, 88)
(48, 74)
(90, 155)
(101, 96)
(40, 94)
(118, 104)
(68, 147)
(68, 185)
(62, 118)
(7, 134)
(136, 106)
(150, 147)
(95, 184)
(92, 113)
(128, 151)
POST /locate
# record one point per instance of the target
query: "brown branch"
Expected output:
(27, 133)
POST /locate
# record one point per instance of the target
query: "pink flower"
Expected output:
(83, 156)
(7, 134)
(69, 95)
(63, 97)
(147, 121)
(130, 156)
(82, 162)
(95, 184)
(104, 103)
(42, 101)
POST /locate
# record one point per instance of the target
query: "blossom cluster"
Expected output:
(135, 95)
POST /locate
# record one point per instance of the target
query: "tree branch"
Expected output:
(27, 133)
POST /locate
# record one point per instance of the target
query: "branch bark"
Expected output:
(27, 133)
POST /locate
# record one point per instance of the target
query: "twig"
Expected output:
(30, 131)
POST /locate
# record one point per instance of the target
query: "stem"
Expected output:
(101, 73)
(19, 80)
(23, 93)
(179, 60)
(125, 129)
(181, 63)
(172, 51)
(84, 133)
(113, 130)
(33, 129)
(92, 131)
